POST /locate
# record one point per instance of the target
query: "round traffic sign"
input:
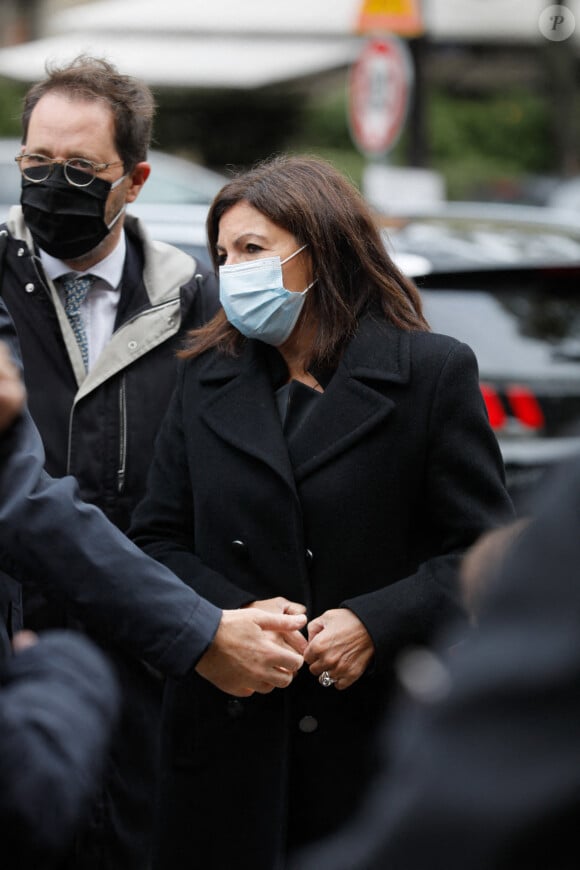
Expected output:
(379, 90)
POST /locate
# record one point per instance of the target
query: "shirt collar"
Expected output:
(109, 270)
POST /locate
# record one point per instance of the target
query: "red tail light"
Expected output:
(494, 405)
(514, 403)
(525, 406)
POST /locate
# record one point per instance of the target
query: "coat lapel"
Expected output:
(241, 408)
(356, 399)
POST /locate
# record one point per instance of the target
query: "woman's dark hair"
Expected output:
(90, 78)
(312, 200)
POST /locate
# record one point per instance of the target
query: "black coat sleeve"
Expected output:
(464, 495)
(74, 554)
(58, 705)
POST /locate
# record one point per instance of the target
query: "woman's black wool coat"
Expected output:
(395, 472)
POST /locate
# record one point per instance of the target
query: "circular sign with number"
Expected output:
(379, 90)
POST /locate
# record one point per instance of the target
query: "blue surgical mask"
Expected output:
(257, 303)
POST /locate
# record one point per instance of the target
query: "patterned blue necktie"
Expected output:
(75, 289)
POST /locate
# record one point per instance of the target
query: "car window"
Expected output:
(199, 252)
(515, 333)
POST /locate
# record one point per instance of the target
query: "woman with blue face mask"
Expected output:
(324, 452)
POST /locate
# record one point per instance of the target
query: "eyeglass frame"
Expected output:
(53, 161)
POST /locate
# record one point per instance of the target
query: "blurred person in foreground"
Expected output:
(76, 556)
(480, 767)
(100, 309)
(58, 704)
(323, 450)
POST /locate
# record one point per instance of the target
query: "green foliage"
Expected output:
(511, 129)
(325, 120)
(474, 140)
(11, 95)
(471, 141)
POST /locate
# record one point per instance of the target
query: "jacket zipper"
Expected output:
(69, 445)
(121, 470)
(122, 436)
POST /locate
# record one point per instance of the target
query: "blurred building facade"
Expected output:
(205, 60)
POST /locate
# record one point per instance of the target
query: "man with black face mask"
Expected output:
(100, 311)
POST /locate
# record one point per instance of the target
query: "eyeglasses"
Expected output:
(77, 171)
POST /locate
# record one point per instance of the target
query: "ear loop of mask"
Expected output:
(115, 184)
(295, 254)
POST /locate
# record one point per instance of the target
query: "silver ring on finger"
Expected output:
(326, 680)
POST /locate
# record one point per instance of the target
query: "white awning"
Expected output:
(250, 43)
(479, 20)
(187, 61)
(300, 17)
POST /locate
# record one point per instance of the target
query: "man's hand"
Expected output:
(295, 640)
(278, 605)
(245, 657)
(12, 392)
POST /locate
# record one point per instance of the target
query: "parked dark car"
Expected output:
(507, 282)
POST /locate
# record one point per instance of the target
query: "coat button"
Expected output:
(309, 556)
(30, 288)
(235, 708)
(308, 724)
(240, 549)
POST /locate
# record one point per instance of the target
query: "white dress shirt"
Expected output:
(99, 309)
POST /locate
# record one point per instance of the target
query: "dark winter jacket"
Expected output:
(101, 428)
(367, 505)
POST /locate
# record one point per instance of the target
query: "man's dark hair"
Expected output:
(89, 78)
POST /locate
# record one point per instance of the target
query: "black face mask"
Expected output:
(66, 221)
